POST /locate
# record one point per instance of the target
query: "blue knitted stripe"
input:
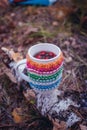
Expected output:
(46, 87)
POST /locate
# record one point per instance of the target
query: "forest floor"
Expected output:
(22, 27)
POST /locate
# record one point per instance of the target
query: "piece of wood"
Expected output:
(53, 104)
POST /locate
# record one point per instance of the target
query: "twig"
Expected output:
(76, 111)
(82, 60)
(78, 57)
(75, 79)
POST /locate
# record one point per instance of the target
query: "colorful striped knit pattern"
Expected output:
(45, 76)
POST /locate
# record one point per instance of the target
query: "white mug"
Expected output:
(46, 79)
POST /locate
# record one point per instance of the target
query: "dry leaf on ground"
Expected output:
(10, 75)
(29, 94)
(83, 127)
(59, 125)
(27, 31)
(3, 3)
(17, 115)
(15, 56)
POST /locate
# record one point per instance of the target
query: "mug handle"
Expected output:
(20, 66)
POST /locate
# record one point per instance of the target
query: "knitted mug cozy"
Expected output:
(44, 74)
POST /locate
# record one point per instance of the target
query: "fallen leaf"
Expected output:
(31, 10)
(60, 12)
(4, 3)
(68, 59)
(67, 43)
(17, 115)
(55, 23)
(20, 48)
(5, 70)
(15, 56)
(27, 31)
(83, 127)
(29, 94)
(57, 125)
(1, 94)
(10, 75)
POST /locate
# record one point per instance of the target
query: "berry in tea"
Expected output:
(45, 55)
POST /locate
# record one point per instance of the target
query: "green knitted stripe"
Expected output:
(48, 77)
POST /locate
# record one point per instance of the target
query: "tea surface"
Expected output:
(44, 55)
